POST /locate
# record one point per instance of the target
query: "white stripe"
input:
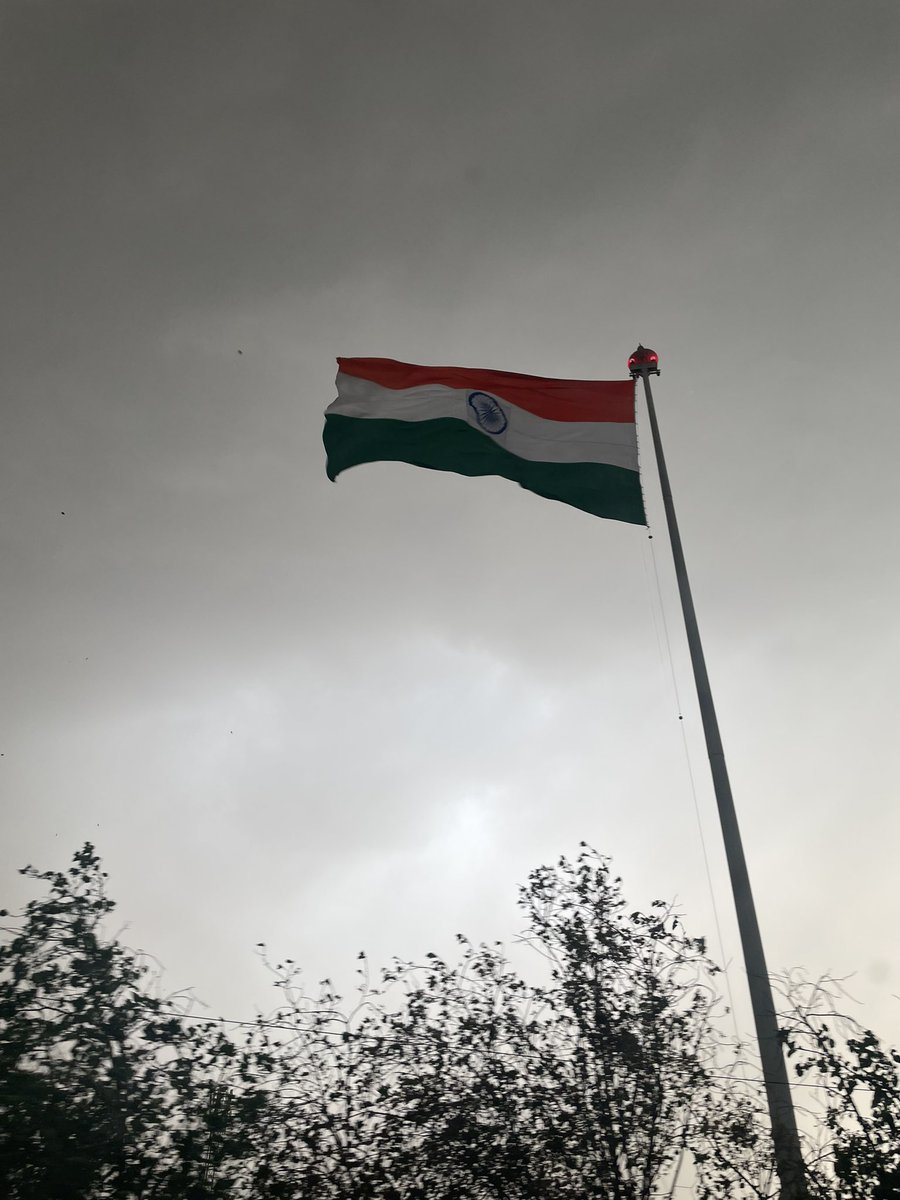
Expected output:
(526, 435)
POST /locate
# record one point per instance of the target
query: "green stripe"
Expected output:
(448, 444)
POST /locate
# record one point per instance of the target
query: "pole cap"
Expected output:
(643, 361)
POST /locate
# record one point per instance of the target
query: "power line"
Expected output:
(348, 1036)
(690, 772)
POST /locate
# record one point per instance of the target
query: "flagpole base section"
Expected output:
(643, 360)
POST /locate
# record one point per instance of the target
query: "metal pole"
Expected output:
(788, 1155)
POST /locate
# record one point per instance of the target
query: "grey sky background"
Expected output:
(348, 716)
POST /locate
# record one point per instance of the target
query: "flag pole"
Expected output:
(788, 1155)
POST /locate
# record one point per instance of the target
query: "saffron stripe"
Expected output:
(554, 399)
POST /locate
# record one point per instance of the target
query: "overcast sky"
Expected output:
(354, 715)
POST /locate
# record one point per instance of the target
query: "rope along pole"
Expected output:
(786, 1139)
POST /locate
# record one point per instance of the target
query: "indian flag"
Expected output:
(566, 439)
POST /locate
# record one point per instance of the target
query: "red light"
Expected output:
(643, 360)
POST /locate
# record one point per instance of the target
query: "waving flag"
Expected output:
(564, 439)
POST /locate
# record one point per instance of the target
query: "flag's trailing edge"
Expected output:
(565, 439)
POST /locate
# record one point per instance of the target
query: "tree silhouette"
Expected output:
(452, 1080)
(858, 1082)
(105, 1089)
(606, 1077)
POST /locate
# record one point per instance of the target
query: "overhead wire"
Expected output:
(350, 1036)
(666, 643)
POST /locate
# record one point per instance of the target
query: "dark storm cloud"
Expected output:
(204, 151)
(287, 695)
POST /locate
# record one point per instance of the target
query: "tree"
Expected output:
(105, 1089)
(857, 1082)
(599, 1081)
(607, 1077)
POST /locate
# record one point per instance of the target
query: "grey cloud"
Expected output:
(435, 683)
